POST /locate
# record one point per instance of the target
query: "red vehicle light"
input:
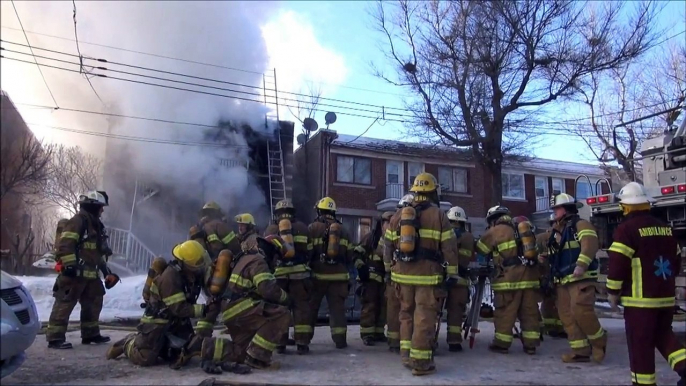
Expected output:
(681, 188)
(603, 199)
(667, 190)
(591, 200)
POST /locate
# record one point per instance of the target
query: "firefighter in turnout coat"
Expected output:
(165, 332)
(458, 292)
(257, 314)
(516, 282)
(81, 252)
(573, 246)
(370, 275)
(644, 262)
(422, 242)
(216, 232)
(552, 325)
(246, 229)
(292, 271)
(332, 257)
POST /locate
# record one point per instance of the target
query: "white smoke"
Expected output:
(222, 33)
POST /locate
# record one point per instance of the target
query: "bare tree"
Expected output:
(24, 167)
(479, 70)
(74, 172)
(305, 107)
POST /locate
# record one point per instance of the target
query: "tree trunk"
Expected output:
(495, 174)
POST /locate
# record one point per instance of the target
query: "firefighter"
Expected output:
(293, 272)
(216, 232)
(573, 246)
(644, 260)
(392, 300)
(516, 281)
(81, 253)
(421, 241)
(165, 329)
(257, 314)
(371, 273)
(246, 228)
(330, 264)
(458, 293)
(552, 325)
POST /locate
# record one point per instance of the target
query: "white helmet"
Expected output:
(97, 197)
(496, 210)
(406, 200)
(564, 199)
(552, 219)
(457, 214)
(634, 193)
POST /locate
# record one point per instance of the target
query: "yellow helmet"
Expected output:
(212, 205)
(245, 218)
(191, 253)
(424, 183)
(284, 205)
(326, 203)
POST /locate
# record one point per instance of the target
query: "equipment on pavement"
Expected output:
(480, 273)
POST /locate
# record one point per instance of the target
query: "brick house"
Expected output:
(366, 176)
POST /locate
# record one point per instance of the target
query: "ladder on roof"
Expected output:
(277, 181)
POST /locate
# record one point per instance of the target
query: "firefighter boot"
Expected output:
(235, 368)
(598, 347)
(380, 337)
(424, 370)
(117, 348)
(456, 347)
(59, 345)
(261, 365)
(368, 340)
(303, 349)
(98, 339)
(498, 349)
(395, 350)
(575, 358)
(530, 350)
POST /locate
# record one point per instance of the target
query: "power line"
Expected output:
(29, 45)
(78, 49)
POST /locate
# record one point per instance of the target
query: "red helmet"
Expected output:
(520, 219)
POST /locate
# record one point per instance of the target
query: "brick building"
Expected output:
(366, 176)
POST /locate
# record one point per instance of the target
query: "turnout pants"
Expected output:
(258, 331)
(551, 318)
(419, 308)
(299, 290)
(373, 313)
(513, 305)
(336, 292)
(576, 306)
(648, 329)
(68, 291)
(392, 316)
(456, 305)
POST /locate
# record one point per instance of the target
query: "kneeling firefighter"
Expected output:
(331, 260)
(205, 325)
(370, 274)
(421, 242)
(573, 246)
(458, 292)
(257, 313)
(165, 331)
(292, 271)
(516, 283)
(552, 325)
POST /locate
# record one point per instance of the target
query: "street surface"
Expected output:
(356, 365)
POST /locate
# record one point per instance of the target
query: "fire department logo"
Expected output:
(663, 268)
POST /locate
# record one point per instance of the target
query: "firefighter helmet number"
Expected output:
(330, 204)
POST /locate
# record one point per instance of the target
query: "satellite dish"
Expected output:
(330, 117)
(301, 139)
(310, 124)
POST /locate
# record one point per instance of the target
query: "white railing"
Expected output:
(542, 204)
(395, 191)
(138, 256)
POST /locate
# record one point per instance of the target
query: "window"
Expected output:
(558, 186)
(353, 170)
(583, 190)
(413, 170)
(513, 185)
(541, 187)
(452, 179)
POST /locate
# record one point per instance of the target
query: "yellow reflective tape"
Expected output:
(535, 335)
(228, 238)
(360, 249)
(303, 329)
(628, 301)
(376, 257)
(621, 248)
(70, 235)
(593, 274)
(318, 241)
(614, 284)
(515, 285)
(212, 238)
(332, 276)
(198, 309)
(391, 235)
(149, 319)
(173, 299)
(430, 234)
(585, 259)
(282, 271)
(203, 325)
(578, 343)
(504, 337)
(339, 330)
(265, 344)
(597, 335)
(552, 322)
(380, 330)
(405, 344)
(128, 346)
(465, 252)
(512, 244)
(89, 324)
(89, 274)
(240, 281)
(572, 245)
(154, 290)
(67, 259)
(239, 307)
(343, 243)
(218, 350)
(392, 335)
(375, 277)
(367, 330)
(283, 296)
(451, 270)
(483, 248)
(447, 235)
(89, 245)
(643, 379)
(636, 278)
(676, 357)
(416, 279)
(310, 246)
(52, 329)
(300, 239)
(387, 266)
(586, 233)
(454, 330)
(420, 354)
(260, 277)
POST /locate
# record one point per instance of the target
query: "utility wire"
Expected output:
(78, 49)
(29, 45)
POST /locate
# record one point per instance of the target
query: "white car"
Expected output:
(20, 323)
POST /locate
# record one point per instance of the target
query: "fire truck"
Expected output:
(664, 177)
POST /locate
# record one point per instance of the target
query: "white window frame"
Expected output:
(509, 174)
(545, 186)
(452, 187)
(401, 171)
(552, 184)
(409, 171)
(355, 159)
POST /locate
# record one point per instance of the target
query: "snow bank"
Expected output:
(122, 301)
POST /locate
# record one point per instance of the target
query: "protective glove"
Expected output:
(614, 302)
(363, 273)
(111, 280)
(578, 271)
(69, 271)
(209, 367)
